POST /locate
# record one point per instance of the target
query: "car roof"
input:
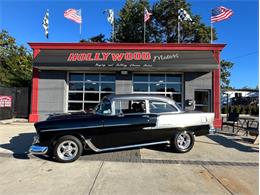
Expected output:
(139, 97)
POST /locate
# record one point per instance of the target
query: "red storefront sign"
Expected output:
(5, 101)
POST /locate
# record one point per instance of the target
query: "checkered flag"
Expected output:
(183, 15)
(45, 24)
(110, 16)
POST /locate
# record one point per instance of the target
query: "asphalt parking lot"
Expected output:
(218, 164)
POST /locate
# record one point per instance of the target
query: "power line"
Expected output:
(244, 55)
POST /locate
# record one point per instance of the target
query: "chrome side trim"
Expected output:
(73, 128)
(87, 127)
(34, 149)
(91, 145)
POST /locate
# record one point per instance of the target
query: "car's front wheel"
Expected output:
(67, 149)
(182, 142)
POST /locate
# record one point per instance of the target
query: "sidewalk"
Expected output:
(218, 164)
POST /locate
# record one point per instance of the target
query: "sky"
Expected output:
(23, 20)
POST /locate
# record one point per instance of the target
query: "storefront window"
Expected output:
(76, 96)
(173, 78)
(139, 87)
(91, 77)
(87, 89)
(76, 86)
(107, 86)
(108, 77)
(141, 78)
(91, 86)
(169, 85)
(76, 77)
(173, 87)
(159, 78)
(158, 87)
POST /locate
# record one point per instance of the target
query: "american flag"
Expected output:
(220, 13)
(146, 15)
(74, 15)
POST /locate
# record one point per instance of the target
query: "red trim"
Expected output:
(216, 92)
(34, 116)
(36, 52)
(130, 46)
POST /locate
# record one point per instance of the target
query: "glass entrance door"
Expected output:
(202, 100)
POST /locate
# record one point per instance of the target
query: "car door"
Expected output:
(124, 128)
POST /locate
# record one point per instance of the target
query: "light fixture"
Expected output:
(124, 72)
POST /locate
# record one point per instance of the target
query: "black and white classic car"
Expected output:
(120, 122)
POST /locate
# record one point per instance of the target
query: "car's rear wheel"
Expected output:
(182, 142)
(67, 149)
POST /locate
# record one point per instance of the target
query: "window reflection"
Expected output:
(91, 87)
(161, 84)
(76, 77)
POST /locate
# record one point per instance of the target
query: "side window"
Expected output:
(160, 107)
(104, 107)
(129, 106)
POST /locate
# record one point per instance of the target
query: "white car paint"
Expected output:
(184, 120)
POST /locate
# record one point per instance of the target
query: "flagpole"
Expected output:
(80, 26)
(80, 30)
(113, 28)
(144, 31)
(179, 31)
(211, 33)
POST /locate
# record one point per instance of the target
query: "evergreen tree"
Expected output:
(98, 38)
(129, 27)
(162, 27)
(15, 62)
(225, 74)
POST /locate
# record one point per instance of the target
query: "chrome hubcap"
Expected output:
(67, 150)
(183, 140)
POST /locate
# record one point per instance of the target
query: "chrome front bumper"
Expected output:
(35, 148)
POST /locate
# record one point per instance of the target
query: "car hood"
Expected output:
(66, 121)
(64, 116)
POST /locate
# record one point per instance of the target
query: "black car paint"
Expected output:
(108, 131)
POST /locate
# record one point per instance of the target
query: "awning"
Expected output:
(132, 60)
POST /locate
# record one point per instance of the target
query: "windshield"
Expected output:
(104, 107)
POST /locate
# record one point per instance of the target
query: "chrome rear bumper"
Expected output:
(34, 149)
(212, 131)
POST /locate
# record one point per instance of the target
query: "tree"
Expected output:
(98, 38)
(162, 27)
(130, 24)
(15, 62)
(225, 73)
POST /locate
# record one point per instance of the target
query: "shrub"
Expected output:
(224, 110)
(229, 109)
(247, 110)
(235, 110)
(242, 110)
(254, 111)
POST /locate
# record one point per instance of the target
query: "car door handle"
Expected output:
(145, 116)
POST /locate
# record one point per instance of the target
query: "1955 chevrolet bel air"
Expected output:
(120, 122)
